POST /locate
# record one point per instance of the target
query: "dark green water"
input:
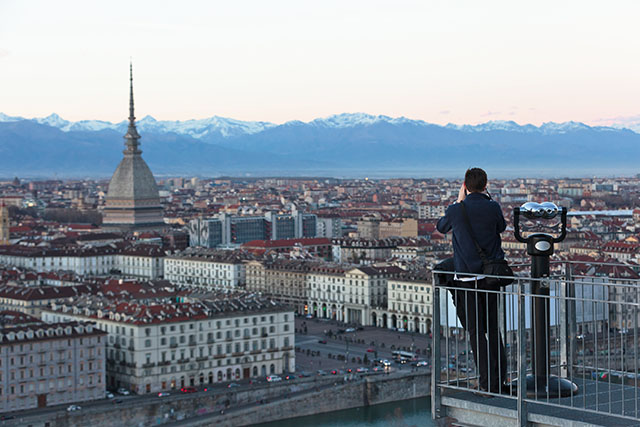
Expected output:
(405, 413)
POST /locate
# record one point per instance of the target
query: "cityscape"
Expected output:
(289, 270)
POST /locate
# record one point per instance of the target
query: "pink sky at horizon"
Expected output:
(442, 62)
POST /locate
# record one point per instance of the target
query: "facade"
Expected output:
(32, 299)
(282, 280)
(206, 268)
(5, 228)
(431, 210)
(141, 261)
(329, 227)
(409, 304)
(163, 345)
(400, 227)
(349, 294)
(319, 247)
(132, 202)
(225, 229)
(363, 251)
(49, 364)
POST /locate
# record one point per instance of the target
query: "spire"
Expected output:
(131, 137)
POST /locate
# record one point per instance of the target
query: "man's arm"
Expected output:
(444, 223)
(502, 224)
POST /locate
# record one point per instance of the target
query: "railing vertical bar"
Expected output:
(635, 354)
(623, 368)
(487, 335)
(596, 355)
(609, 360)
(446, 335)
(584, 345)
(547, 337)
(455, 343)
(522, 357)
(435, 354)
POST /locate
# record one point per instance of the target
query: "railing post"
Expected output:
(522, 356)
(436, 407)
(567, 306)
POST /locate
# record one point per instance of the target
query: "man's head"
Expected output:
(475, 180)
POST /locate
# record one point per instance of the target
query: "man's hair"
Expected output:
(475, 179)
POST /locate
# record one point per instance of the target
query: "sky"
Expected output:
(462, 62)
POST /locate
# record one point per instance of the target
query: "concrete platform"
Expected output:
(614, 405)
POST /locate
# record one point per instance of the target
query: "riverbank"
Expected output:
(228, 407)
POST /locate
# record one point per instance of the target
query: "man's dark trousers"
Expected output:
(477, 310)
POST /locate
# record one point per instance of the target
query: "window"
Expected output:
(147, 343)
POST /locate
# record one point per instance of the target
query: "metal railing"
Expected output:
(483, 340)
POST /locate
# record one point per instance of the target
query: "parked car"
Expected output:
(362, 370)
(273, 378)
(163, 394)
(109, 395)
(350, 330)
(124, 391)
(189, 389)
(117, 401)
(322, 341)
(72, 408)
(232, 385)
(304, 374)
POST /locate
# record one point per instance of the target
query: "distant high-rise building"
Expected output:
(224, 229)
(133, 202)
(5, 235)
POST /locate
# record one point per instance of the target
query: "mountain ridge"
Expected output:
(338, 145)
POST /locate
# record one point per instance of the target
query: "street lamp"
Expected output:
(540, 248)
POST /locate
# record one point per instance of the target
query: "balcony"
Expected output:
(577, 362)
(186, 360)
(173, 345)
(148, 365)
(164, 363)
(201, 359)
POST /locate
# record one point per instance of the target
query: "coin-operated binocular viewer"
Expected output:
(540, 248)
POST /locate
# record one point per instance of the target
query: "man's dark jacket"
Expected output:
(487, 222)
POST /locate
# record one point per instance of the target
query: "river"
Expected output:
(404, 413)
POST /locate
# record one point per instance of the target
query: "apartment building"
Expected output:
(159, 345)
(49, 364)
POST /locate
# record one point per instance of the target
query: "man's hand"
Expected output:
(462, 193)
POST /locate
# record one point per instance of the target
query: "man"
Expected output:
(477, 309)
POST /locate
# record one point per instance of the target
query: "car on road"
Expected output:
(72, 408)
(189, 389)
(401, 330)
(370, 350)
(309, 316)
(164, 394)
(124, 391)
(378, 369)
(321, 372)
(273, 378)
(362, 370)
(109, 395)
(232, 385)
(335, 372)
(350, 330)
(422, 363)
(117, 401)
(322, 341)
(290, 377)
(304, 374)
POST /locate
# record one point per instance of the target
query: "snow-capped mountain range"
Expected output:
(339, 145)
(227, 128)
